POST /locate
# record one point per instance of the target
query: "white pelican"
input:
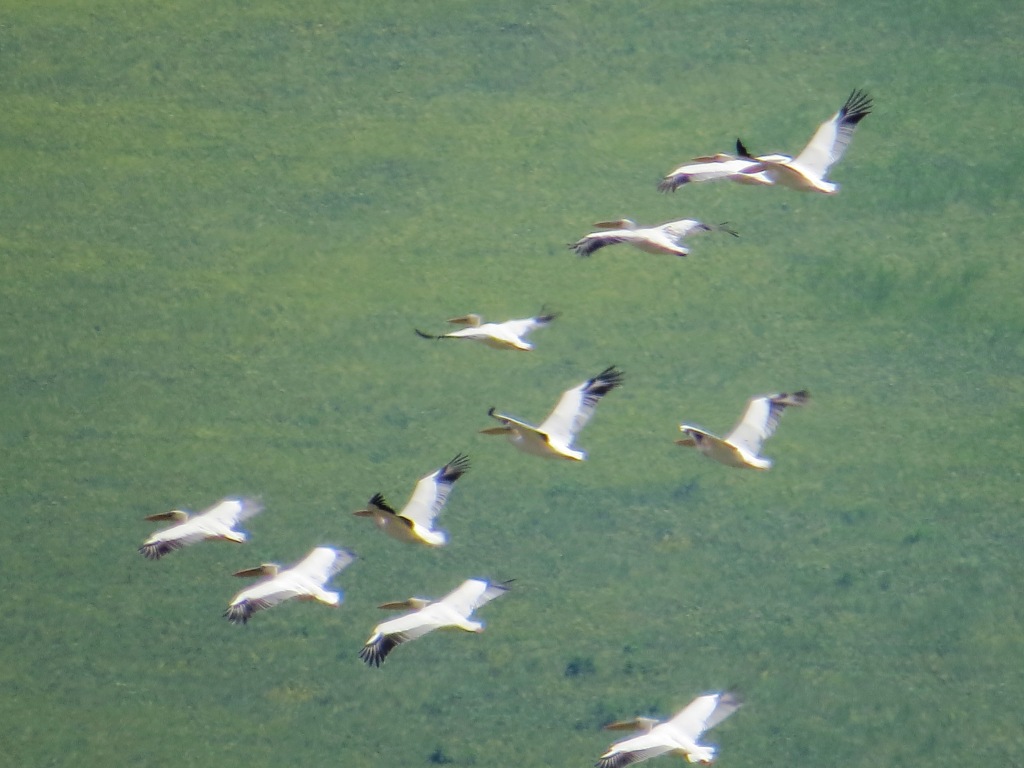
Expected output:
(555, 436)
(806, 172)
(415, 523)
(663, 239)
(742, 446)
(678, 735)
(453, 611)
(217, 522)
(304, 581)
(720, 166)
(510, 334)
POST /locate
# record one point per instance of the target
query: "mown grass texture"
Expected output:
(219, 226)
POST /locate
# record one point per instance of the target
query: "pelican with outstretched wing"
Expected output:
(676, 736)
(415, 523)
(217, 522)
(806, 172)
(303, 581)
(663, 239)
(742, 446)
(555, 436)
(453, 611)
(510, 334)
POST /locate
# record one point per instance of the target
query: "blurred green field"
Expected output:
(219, 226)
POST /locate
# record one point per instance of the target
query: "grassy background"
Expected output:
(218, 227)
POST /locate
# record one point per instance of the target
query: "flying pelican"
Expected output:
(720, 166)
(742, 446)
(510, 334)
(416, 520)
(555, 436)
(806, 172)
(678, 735)
(217, 522)
(453, 611)
(305, 581)
(663, 239)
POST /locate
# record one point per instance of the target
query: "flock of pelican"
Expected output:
(555, 437)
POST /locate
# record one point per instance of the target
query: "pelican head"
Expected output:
(692, 439)
(504, 429)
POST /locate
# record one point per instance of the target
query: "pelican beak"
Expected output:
(363, 513)
(178, 515)
(495, 431)
(250, 572)
(403, 605)
(470, 319)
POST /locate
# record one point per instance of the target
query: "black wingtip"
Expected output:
(742, 151)
(607, 380)
(376, 651)
(239, 614)
(857, 106)
(377, 500)
(455, 468)
(547, 315)
(672, 183)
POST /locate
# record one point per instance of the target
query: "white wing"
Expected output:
(388, 635)
(470, 595)
(231, 511)
(761, 419)
(408, 627)
(432, 492)
(833, 136)
(177, 536)
(702, 169)
(595, 240)
(704, 713)
(577, 405)
(635, 750)
(264, 595)
(321, 564)
(522, 328)
(680, 229)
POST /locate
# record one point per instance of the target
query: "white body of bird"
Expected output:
(664, 239)
(742, 446)
(217, 522)
(415, 523)
(679, 735)
(556, 435)
(510, 334)
(305, 580)
(454, 611)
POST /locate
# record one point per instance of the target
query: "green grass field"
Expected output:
(219, 225)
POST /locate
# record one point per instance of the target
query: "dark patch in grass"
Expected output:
(687, 492)
(439, 757)
(580, 667)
